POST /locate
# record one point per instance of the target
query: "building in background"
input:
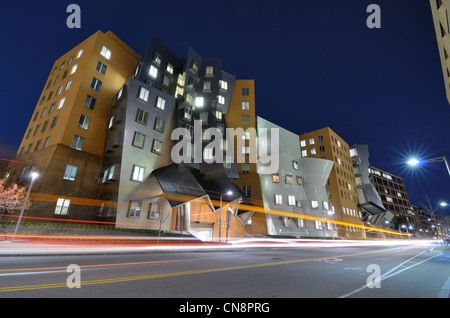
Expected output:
(440, 12)
(374, 212)
(392, 191)
(341, 185)
(64, 140)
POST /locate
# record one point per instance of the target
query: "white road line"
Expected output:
(388, 274)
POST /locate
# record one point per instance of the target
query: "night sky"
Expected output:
(315, 64)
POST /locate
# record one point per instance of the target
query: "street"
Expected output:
(308, 271)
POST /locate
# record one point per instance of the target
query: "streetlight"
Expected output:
(34, 175)
(415, 162)
(220, 218)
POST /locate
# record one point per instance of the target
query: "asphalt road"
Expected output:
(418, 271)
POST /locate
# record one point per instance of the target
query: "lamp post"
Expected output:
(220, 217)
(415, 162)
(34, 175)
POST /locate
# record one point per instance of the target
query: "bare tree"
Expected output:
(12, 198)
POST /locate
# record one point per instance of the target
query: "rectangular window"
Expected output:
(245, 91)
(44, 128)
(134, 209)
(314, 204)
(160, 103)
(101, 68)
(70, 173)
(210, 71)
(299, 180)
(157, 146)
(84, 121)
(90, 102)
(138, 140)
(142, 116)
(77, 142)
(221, 100)
(96, 84)
(153, 72)
(62, 206)
(159, 124)
(223, 85)
(154, 211)
(278, 199)
(291, 200)
(289, 179)
(247, 190)
(245, 168)
(138, 173)
(276, 178)
(245, 119)
(105, 52)
(143, 94)
(245, 105)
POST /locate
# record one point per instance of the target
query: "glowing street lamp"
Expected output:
(416, 162)
(34, 175)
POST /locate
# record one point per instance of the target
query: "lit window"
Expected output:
(313, 151)
(70, 173)
(314, 204)
(245, 105)
(106, 52)
(223, 85)
(62, 206)
(218, 115)
(276, 178)
(221, 100)
(209, 71)
(199, 101)
(153, 71)
(143, 94)
(138, 173)
(303, 143)
(295, 164)
(304, 153)
(291, 200)
(80, 52)
(169, 68)
(289, 179)
(278, 199)
(207, 86)
(160, 103)
(311, 141)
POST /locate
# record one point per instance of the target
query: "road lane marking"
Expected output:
(392, 273)
(164, 275)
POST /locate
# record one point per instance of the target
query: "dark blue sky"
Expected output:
(315, 64)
